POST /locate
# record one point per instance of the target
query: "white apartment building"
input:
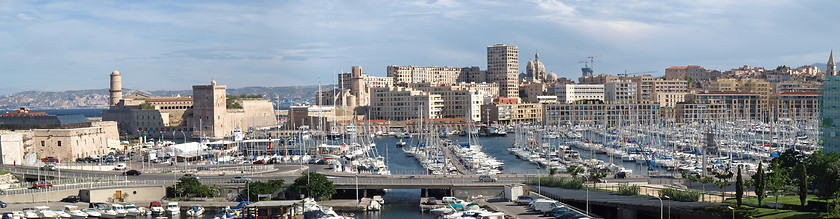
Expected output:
(570, 93)
(620, 92)
(419, 74)
(402, 103)
(458, 102)
(489, 90)
(503, 68)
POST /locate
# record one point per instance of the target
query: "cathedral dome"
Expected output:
(551, 76)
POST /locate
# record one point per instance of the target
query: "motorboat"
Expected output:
(74, 212)
(172, 208)
(44, 212)
(195, 211)
(14, 215)
(119, 209)
(30, 213)
(92, 213)
(62, 214)
(104, 210)
(156, 208)
(131, 209)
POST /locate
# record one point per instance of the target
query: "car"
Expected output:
(3, 204)
(132, 173)
(525, 199)
(451, 200)
(590, 179)
(259, 162)
(203, 168)
(431, 201)
(49, 167)
(190, 175)
(240, 179)
(556, 211)
(41, 185)
(71, 199)
(487, 178)
(50, 160)
(120, 166)
(620, 175)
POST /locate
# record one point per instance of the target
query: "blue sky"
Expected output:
(171, 45)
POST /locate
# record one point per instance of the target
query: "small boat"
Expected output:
(104, 210)
(14, 215)
(374, 206)
(30, 213)
(44, 212)
(74, 212)
(172, 208)
(92, 213)
(195, 211)
(62, 214)
(131, 209)
(401, 144)
(156, 208)
(120, 210)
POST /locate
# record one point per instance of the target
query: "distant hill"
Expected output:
(98, 98)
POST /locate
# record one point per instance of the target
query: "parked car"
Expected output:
(132, 173)
(451, 200)
(50, 160)
(240, 179)
(41, 185)
(545, 205)
(590, 179)
(620, 175)
(71, 199)
(49, 167)
(487, 178)
(190, 175)
(525, 199)
(556, 212)
(120, 167)
(3, 204)
(259, 162)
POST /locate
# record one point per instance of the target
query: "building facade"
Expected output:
(402, 103)
(570, 93)
(511, 113)
(829, 122)
(594, 112)
(693, 72)
(503, 68)
(620, 92)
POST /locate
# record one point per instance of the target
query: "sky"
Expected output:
(172, 45)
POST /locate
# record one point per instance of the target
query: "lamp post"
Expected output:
(733, 211)
(661, 207)
(669, 206)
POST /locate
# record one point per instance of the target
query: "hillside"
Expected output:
(98, 98)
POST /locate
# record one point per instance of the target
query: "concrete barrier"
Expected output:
(128, 194)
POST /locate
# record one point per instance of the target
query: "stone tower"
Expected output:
(209, 110)
(831, 65)
(116, 88)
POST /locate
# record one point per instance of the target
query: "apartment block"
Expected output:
(570, 93)
(458, 101)
(594, 112)
(511, 113)
(620, 92)
(692, 72)
(402, 103)
(503, 68)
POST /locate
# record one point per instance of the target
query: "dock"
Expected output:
(347, 204)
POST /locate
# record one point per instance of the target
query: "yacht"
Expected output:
(195, 211)
(119, 209)
(44, 212)
(104, 210)
(131, 209)
(74, 212)
(156, 208)
(92, 213)
(172, 208)
(62, 214)
(30, 213)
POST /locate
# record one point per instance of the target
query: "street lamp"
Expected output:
(733, 211)
(669, 206)
(661, 207)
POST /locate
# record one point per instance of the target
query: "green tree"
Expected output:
(759, 183)
(777, 183)
(574, 171)
(552, 171)
(596, 176)
(314, 185)
(825, 183)
(690, 177)
(191, 187)
(723, 182)
(259, 187)
(704, 181)
(739, 187)
(145, 106)
(803, 184)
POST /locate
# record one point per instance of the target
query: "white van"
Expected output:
(451, 200)
(120, 166)
(545, 205)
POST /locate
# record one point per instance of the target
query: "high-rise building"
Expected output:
(503, 68)
(831, 65)
(829, 112)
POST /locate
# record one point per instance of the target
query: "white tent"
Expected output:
(189, 149)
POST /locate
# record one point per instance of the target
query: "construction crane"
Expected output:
(587, 65)
(625, 74)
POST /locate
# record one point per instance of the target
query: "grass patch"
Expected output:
(773, 213)
(788, 200)
(3, 172)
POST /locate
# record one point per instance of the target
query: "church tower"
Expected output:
(116, 88)
(832, 66)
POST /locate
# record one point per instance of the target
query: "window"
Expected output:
(59, 143)
(42, 143)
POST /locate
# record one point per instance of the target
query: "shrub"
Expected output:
(680, 195)
(627, 189)
(562, 182)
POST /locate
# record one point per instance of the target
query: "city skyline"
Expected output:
(75, 45)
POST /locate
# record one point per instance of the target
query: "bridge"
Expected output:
(423, 181)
